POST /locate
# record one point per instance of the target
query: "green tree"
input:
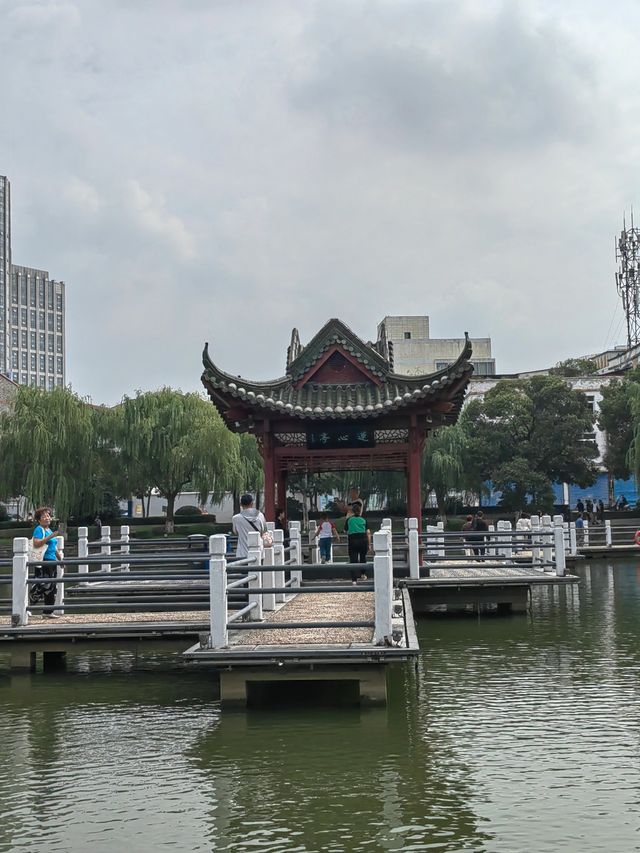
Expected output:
(174, 440)
(443, 463)
(248, 475)
(527, 434)
(575, 367)
(48, 451)
(616, 419)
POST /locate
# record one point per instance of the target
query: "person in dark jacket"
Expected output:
(479, 524)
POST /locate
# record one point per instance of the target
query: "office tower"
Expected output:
(32, 315)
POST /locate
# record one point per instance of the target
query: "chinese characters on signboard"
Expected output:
(333, 437)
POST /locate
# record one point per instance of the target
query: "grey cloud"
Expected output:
(437, 79)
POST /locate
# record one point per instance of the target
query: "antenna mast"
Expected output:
(628, 278)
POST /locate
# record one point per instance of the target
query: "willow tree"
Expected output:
(175, 440)
(47, 451)
(443, 463)
(248, 474)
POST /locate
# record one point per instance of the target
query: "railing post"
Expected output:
(414, 548)
(218, 591)
(59, 599)
(607, 532)
(19, 585)
(385, 524)
(83, 549)
(383, 586)
(535, 539)
(558, 538)
(547, 543)
(314, 544)
(567, 537)
(278, 560)
(508, 541)
(254, 552)
(295, 541)
(573, 539)
(124, 547)
(586, 533)
(269, 578)
(105, 539)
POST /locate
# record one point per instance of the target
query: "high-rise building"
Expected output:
(413, 351)
(32, 315)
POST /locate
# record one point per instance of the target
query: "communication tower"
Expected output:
(628, 278)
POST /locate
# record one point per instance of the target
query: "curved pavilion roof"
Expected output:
(374, 392)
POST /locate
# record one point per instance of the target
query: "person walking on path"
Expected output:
(247, 520)
(579, 529)
(479, 524)
(44, 537)
(326, 531)
(359, 540)
(468, 525)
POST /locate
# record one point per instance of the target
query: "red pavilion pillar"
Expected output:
(269, 469)
(414, 466)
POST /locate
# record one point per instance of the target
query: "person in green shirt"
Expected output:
(359, 540)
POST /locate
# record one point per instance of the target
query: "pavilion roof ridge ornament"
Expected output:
(335, 332)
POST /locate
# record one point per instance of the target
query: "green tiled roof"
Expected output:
(320, 401)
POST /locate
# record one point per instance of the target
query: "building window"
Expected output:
(23, 291)
(23, 316)
(50, 289)
(43, 321)
(24, 379)
(50, 322)
(59, 343)
(23, 360)
(42, 341)
(51, 364)
(14, 337)
(32, 295)
(33, 319)
(51, 383)
(32, 340)
(50, 343)
(59, 381)
(58, 301)
(34, 362)
(14, 359)
(58, 322)
(43, 363)
(14, 316)
(24, 339)
(60, 364)
(14, 290)
(407, 336)
(43, 381)
(41, 293)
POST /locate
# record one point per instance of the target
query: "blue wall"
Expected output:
(598, 491)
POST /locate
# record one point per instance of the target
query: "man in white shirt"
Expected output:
(247, 521)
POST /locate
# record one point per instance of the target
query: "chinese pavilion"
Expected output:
(339, 407)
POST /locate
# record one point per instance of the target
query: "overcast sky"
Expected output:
(224, 170)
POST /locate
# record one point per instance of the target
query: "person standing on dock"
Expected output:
(478, 540)
(468, 538)
(326, 531)
(246, 521)
(358, 538)
(579, 529)
(44, 537)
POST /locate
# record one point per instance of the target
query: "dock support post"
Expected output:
(219, 637)
(278, 560)
(607, 532)
(269, 578)
(414, 548)
(255, 552)
(19, 585)
(83, 549)
(558, 536)
(295, 553)
(59, 599)
(124, 547)
(383, 587)
(105, 539)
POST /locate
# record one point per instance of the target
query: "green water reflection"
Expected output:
(517, 734)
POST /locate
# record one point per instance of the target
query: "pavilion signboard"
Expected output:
(343, 436)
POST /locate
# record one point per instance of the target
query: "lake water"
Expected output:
(515, 734)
